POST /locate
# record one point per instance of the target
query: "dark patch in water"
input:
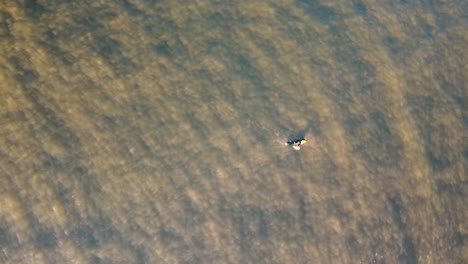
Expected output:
(66, 58)
(56, 126)
(6, 238)
(88, 23)
(457, 189)
(27, 76)
(200, 128)
(6, 20)
(99, 260)
(365, 75)
(306, 228)
(459, 239)
(46, 239)
(438, 153)
(360, 8)
(392, 44)
(87, 179)
(24, 75)
(352, 243)
(85, 237)
(409, 254)
(163, 49)
(395, 204)
(168, 236)
(252, 226)
(244, 66)
(427, 29)
(111, 50)
(454, 88)
(162, 27)
(437, 162)
(191, 216)
(153, 2)
(33, 9)
(130, 8)
(283, 225)
(374, 141)
(314, 9)
(256, 226)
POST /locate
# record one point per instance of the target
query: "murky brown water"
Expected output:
(139, 131)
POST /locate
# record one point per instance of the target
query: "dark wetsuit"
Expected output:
(295, 142)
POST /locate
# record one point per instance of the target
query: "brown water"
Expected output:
(139, 131)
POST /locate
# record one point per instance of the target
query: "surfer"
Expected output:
(296, 144)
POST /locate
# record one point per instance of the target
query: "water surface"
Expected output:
(152, 132)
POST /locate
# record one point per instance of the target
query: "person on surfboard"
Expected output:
(296, 144)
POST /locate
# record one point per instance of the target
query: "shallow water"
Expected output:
(152, 132)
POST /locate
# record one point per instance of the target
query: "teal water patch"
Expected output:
(315, 10)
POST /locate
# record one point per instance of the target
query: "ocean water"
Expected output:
(139, 131)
